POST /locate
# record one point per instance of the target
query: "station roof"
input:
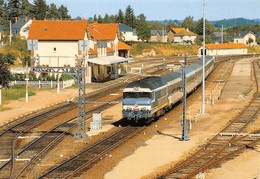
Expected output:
(124, 46)
(226, 46)
(108, 60)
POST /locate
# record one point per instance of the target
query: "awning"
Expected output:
(108, 60)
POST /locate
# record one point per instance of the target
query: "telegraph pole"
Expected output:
(185, 136)
(203, 64)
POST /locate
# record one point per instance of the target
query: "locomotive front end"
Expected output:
(137, 103)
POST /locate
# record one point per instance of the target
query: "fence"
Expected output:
(45, 84)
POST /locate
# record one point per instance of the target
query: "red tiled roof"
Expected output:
(124, 46)
(103, 31)
(93, 51)
(57, 30)
(177, 30)
(183, 32)
(225, 46)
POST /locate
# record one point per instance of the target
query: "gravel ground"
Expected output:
(159, 147)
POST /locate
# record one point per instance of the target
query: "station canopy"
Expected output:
(108, 60)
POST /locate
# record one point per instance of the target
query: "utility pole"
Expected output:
(31, 45)
(185, 136)
(203, 64)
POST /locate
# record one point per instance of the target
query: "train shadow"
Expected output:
(124, 122)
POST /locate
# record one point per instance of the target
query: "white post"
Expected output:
(26, 95)
(58, 83)
(10, 38)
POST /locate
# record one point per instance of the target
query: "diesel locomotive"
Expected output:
(150, 97)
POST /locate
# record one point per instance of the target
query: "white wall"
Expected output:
(217, 52)
(64, 54)
(179, 39)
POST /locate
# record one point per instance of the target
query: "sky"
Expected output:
(165, 9)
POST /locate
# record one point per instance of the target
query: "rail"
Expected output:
(222, 147)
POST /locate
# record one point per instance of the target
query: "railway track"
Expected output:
(46, 140)
(35, 148)
(226, 145)
(82, 161)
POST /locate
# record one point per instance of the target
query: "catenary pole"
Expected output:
(203, 63)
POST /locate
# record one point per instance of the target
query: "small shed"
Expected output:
(148, 53)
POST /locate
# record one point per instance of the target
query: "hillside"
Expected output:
(164, 49)
(234, 22)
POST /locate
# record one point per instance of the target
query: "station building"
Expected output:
(58, 46)
(223, 49)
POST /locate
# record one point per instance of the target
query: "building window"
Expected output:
(54, 49)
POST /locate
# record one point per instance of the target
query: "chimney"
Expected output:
(16, 19)
(26, 19)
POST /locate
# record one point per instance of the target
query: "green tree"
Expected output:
(5, 74)
(26, 9)
(95, 18)
(188, 23)
(170, 25)
(14, 8)
(8, 58)
(40, 9)
(63, 12)
(106, 18)
(209, 28)
(53, 11)
(142, 29)
(100, 19)
(3, 12)
(120, 16)
(130, 17)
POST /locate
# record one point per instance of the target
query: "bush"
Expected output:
(65, 77)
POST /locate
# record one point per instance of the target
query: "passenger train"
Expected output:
(151, 97)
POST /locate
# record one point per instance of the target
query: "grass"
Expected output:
(15, 92)
(164, 49)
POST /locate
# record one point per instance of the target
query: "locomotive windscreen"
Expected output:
(137, 95)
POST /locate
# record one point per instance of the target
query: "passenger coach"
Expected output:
(151, 97)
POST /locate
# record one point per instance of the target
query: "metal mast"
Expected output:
(185, 136)
(203, 63)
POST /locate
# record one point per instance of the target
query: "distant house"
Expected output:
(221, 38)
(245, 37)
(224, 49)
(124, 49)
(158, 36)
(58, 45)
(148, 53)
(16, 27)
(24, 31)
(127, 33)
(181, 36)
